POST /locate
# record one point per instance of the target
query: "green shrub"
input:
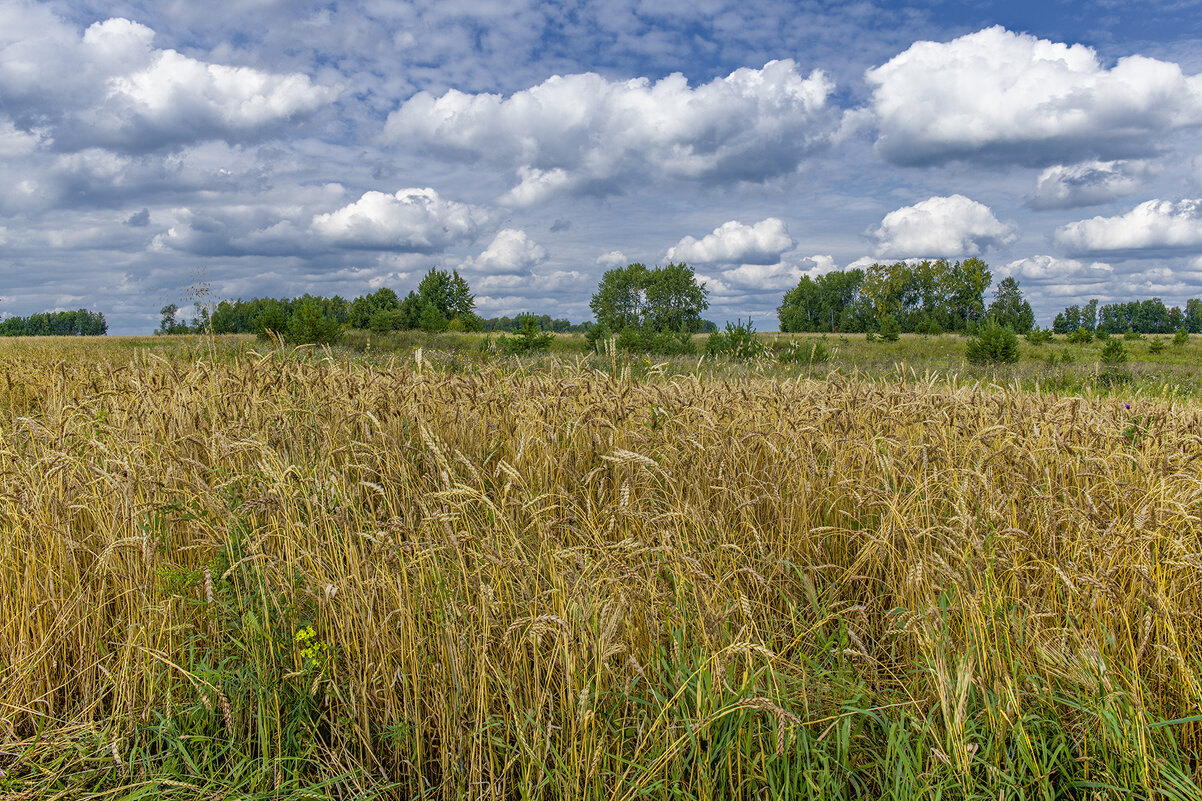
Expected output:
(1082, 336)
(1181, 338)
(273, 320)
(384, 320)
(997, 344)
(1156, 345)
(530, 338)
(1102, 335)
(928, 327)
(889, 331)
(1113, 354)
(309, 325)
(432, 321)
(813, 351)
(1038, 336)
(738, 341)
(1132, 336)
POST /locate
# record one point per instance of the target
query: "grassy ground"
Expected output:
(233, 571)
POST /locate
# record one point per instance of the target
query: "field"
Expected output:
(236, 571)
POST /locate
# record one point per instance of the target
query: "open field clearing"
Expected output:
(286, 574)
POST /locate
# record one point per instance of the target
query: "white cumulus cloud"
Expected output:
(112, 88)
(1015, 98)
(1088, 183)
(511, 252)
(736, 243)
(614, 258)
(941, 227)
(415, 220)
(585, 134)
(1045, 268)
(1152, 225)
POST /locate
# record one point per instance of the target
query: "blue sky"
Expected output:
(276, 148)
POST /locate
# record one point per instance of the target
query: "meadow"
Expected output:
(422, 570)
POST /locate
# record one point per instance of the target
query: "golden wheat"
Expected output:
(563, 583)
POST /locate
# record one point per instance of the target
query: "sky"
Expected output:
(151, 152)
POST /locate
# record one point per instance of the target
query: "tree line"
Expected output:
(443, 301)
(927, 297)
(1141, 316)
(80, 322)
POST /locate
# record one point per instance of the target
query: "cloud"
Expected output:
(111, 88)
(1154, 225)
(750, 282)
(734, 243)
(1013, 98)
(511, 252)
(414, 220)
(615, 258)
(583, 134)
(1087, 183)
(941, 227)
(139, 219)
(1052, 269)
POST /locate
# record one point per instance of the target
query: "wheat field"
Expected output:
(286, 574)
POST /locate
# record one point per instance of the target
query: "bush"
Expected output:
(1113, 354)
(929, 327)
(1181, 337)
(273, 320)
(384, 320)
(813, 351)
(1132, 336)
(432, 321)
(993, 343)
(529, 338)
(1156, 345)
(1038, 336)
(1102, 335)
(310, 325)
(889, 331)
(1082, 336)
(738, 341)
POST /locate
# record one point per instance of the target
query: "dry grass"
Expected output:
(562, 584)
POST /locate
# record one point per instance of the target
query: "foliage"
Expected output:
(310, 325)
(805, 351)
(888, 329)
(384, 320)
(927, 297)
(378, 306)
(1181, 337)
(1081, 336)
(530, 338)
(1113, 353)
(993, 344)
(272, 320)
(448, 293)
(1010, 309)
(1148, 316)
(738, 341)
(1039, 336)
(545, 322)
(80, 322)
(831, 302)
(663, 299)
